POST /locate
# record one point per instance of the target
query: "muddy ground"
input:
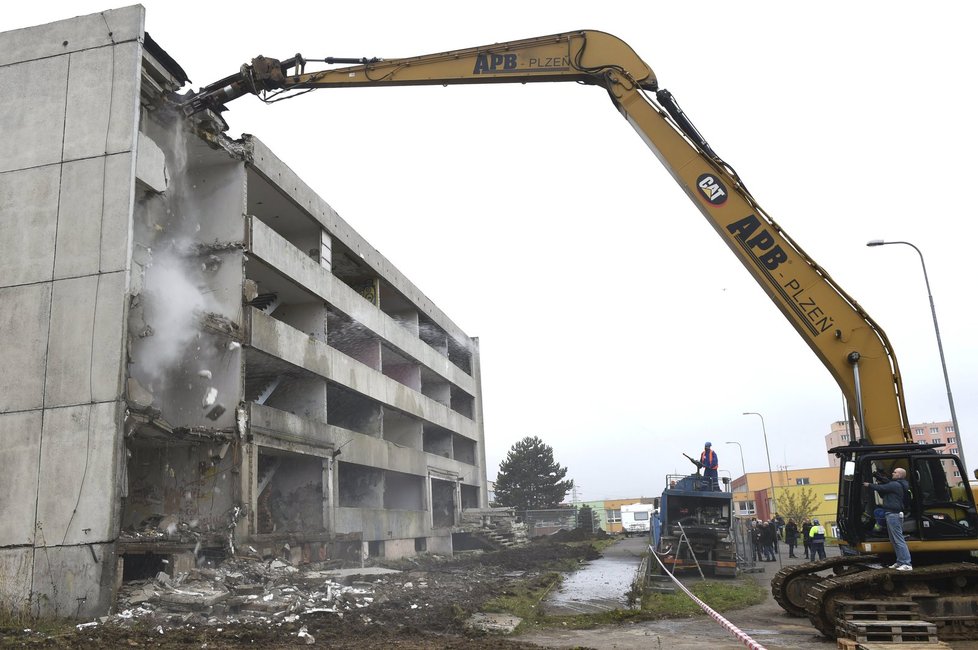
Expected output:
(424, 605)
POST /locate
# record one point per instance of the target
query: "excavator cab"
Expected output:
(936, 509)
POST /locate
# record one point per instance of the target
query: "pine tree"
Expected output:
(529, 479)
(587, 519)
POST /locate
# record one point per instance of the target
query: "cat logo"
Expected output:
(712, 189)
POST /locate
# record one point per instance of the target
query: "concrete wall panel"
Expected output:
(103, 87)
(32, 112)
(85, 345)
(64, 36)
(23, 338)
(20, 445)
(108, 362)
(94, 220)
(73, 581)
(77, 497)
(16, 567)
(28, 222)
(378, 524)
(79, 218)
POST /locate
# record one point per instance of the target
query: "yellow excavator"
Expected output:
(941, 523)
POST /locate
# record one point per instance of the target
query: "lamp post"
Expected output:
(742, 466)
(940, 346)
(770, 474)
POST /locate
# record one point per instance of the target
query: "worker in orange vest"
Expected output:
(710, 463)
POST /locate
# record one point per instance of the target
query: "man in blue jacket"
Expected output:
(893, 493)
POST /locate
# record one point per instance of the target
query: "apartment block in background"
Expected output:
(939, 433)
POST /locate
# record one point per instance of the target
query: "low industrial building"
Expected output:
(202, 357)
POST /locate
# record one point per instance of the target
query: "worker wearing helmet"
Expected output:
(710, 463)
(816, 536)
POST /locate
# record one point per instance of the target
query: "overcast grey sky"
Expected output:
(614, 323)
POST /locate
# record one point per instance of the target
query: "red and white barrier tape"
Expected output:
(730, 627)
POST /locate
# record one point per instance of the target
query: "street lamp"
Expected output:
(742, 466)
(770, 474)
(940, 346)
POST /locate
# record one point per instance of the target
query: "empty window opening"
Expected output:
(278, 211)
(433, 335)
(442, 503)
(360, 486)
(352, 339)
(304, 396)
(354, 272)
(179, 492)
(142, 566)
(468, 542)
(402, 430)
(353, 411)
(462, 402)
(463, 449)
(420, 544)
(436, 387)
(290, 493)
(437, 441)
(400, 368)
(460, 356)
(403, 491)
(470, 496)
(375, 548)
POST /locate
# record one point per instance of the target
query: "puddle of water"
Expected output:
(603, 582)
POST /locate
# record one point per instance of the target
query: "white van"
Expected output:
(636, 518)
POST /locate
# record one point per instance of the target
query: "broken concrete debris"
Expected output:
(249, 591)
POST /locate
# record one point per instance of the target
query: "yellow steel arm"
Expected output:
(837, 329)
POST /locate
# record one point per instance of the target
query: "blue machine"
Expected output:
(695, 518)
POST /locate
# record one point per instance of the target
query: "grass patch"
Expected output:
(721, 596)
(524, 602)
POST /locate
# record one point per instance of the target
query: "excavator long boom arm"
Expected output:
(853, 348)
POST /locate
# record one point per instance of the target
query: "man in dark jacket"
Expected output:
(791, 536)
(893, 492)
(805, 541)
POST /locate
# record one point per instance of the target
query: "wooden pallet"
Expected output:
(891, 631)
(879, 610)
(938, 645)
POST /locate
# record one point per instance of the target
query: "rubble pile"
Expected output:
(244, 591)
(424, 601)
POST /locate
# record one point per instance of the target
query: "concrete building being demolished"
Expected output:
(202, 357)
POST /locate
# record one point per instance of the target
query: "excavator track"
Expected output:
(792, 584)
(947, 595)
